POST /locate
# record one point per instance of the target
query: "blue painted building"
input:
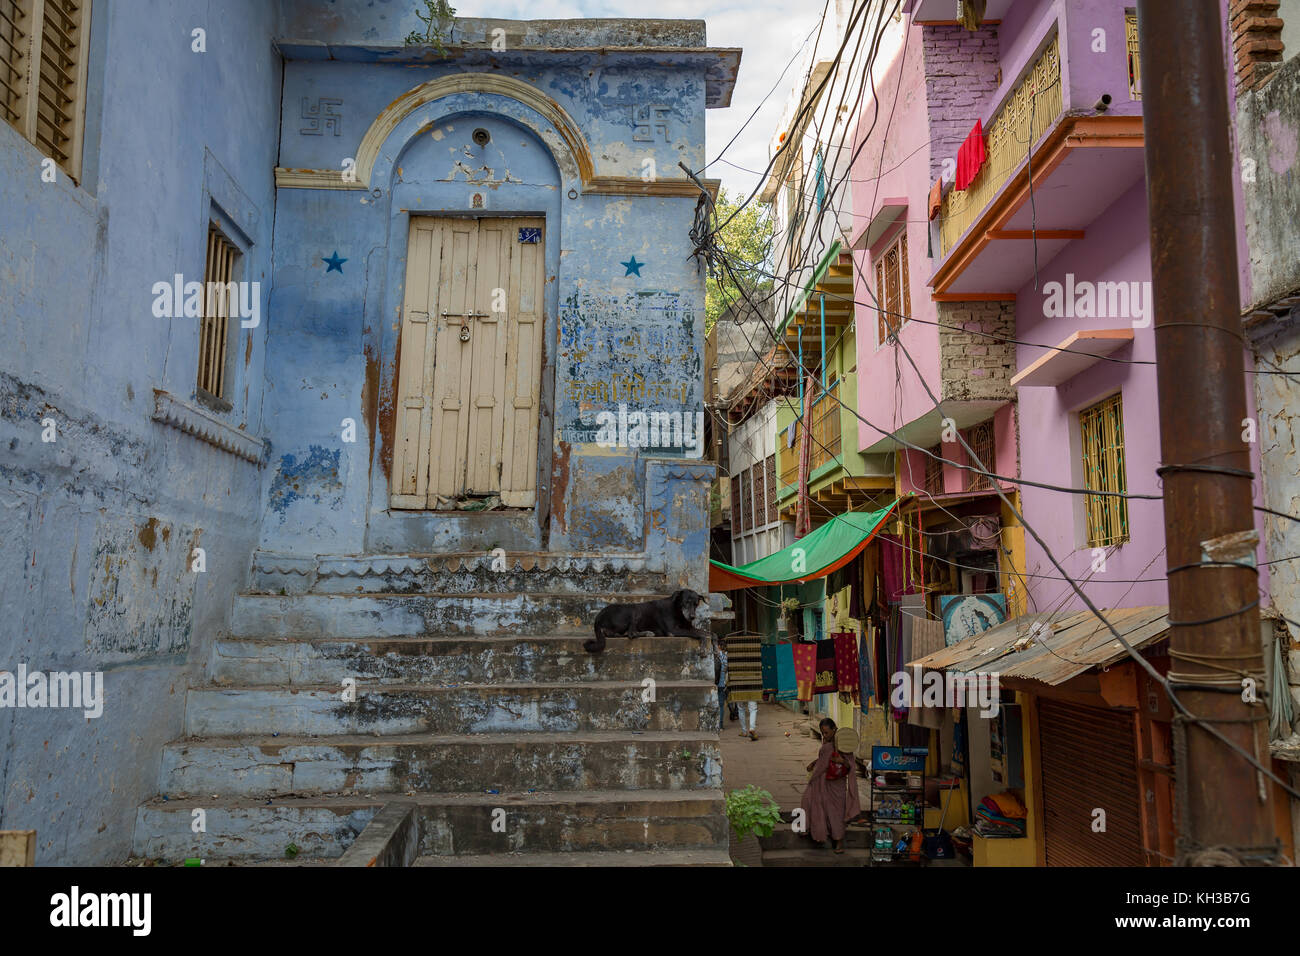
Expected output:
(451, 261)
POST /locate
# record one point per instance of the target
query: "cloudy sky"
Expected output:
(769, 31)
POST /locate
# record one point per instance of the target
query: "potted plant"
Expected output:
(794, 623)
(752, 813)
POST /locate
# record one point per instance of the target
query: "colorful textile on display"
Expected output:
(846, 663)
(866, 685)
(825, 681)
(744, 668)
(786, 685)
(970, 158)
(769, 668)
(805, 670)
(893, 561)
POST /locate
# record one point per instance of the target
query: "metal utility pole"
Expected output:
(1225, 803)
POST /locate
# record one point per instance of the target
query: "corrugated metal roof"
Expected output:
(1079, 641)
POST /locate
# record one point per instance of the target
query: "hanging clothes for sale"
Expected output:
(882, 663)
(805, 669)
(846, 663)
(927, 637)
(857, 606)
(769, 668)
(893, 567)
(825, 681)
(970, 157)
(866, 680)
(787, 687)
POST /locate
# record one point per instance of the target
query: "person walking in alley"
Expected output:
(831, 798)
(748, 710)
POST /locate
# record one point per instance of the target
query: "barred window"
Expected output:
(735, 505)
(934, 471)
(218, 299)
(893, 298)
(980, 439)
(756, 483)
(43, 75)
(1134, 55)
(771, 489)
(1101, 431)
(746, 507)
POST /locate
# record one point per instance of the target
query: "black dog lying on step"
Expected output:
(666, 617)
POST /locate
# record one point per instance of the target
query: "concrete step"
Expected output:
(253, 830)
(592, 858)
(456, 660)
(394, 615)
(502, 572)
(815, 857)
(424, 763)
(250, 828)
(783, 838)
(463, 709)
(469, 824)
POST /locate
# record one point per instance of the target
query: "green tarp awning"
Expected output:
(813, 556)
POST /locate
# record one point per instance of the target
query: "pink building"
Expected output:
(1048, 246)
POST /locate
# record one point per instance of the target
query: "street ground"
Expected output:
(779, 764)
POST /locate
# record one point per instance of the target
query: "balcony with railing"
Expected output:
(840, 478)
(1026, 114)
(1062, 142)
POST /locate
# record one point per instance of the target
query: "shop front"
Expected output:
(1080, 742)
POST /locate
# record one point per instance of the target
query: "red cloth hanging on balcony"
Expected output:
(970, 158)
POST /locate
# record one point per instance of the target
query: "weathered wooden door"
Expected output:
(469, 377)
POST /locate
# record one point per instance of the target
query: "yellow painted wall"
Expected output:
(1013, 582)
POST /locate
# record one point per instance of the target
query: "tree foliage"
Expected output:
(440, 15)
(747, 243)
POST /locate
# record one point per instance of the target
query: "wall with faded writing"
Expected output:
(579, 139)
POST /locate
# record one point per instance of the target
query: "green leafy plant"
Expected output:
(790, 605)
(747, 242)
(440, 14)
(752, 810)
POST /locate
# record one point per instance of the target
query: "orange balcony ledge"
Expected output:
(1081, 166)
(1086, 349)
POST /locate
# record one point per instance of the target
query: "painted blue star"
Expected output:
(633, 267)
(334, 262)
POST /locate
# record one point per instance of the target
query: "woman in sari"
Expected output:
(831, 798)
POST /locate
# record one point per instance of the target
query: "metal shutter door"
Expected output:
(1089, 760)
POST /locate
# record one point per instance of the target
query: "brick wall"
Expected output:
(961, 75)
(1256, 40)
(976, 360)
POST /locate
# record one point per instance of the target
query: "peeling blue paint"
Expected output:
(315, 479)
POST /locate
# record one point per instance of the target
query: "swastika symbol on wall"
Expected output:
(324, 115)
(648, 122)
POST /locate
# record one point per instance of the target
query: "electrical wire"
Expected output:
(1206, 725)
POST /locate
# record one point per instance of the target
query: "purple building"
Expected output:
(1004, 294)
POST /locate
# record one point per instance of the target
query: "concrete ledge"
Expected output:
(207, 427)
(391, 839)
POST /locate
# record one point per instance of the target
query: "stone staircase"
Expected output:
(478, 720)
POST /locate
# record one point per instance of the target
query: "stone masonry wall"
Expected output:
(961, 75)
(976, 360)
(1256, 40)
